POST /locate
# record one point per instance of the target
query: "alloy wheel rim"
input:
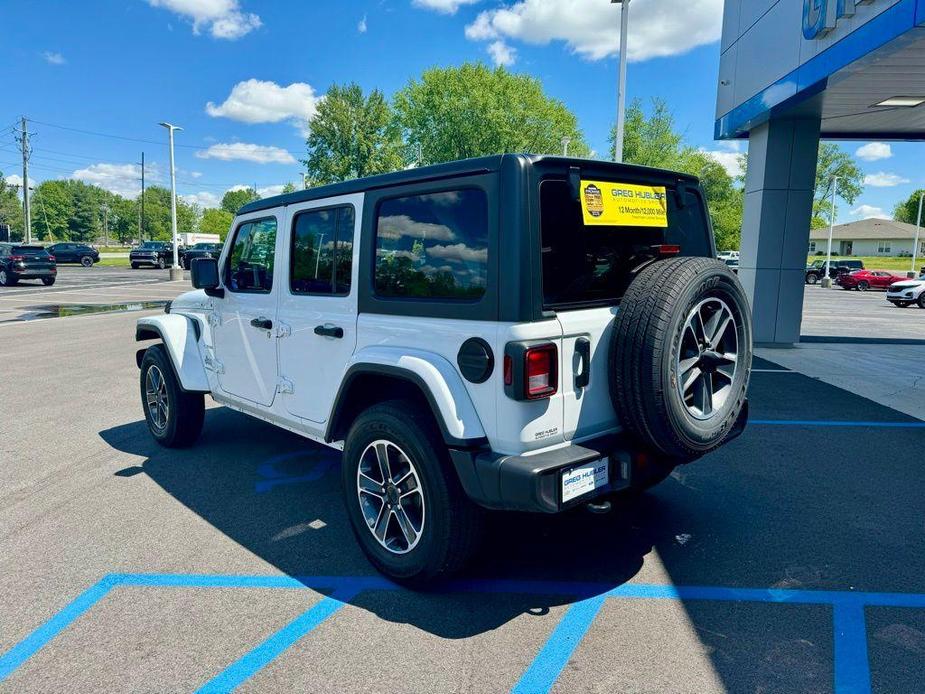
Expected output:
(707, 360)
(390, 496)
(156, 398)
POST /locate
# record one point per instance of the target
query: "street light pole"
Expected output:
(621, 82)
(918, 228)
(827, 278)
(565, 143)
(176, 273)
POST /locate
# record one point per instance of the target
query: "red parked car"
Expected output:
(862, 280)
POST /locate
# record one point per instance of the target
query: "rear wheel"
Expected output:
(680, 356)
(174, 416)
(812, 278)
(404, 500)
(863, 286)
(86, 261)
(48, 281)
(6, 279)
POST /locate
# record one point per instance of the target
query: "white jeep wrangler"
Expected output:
(515, 332)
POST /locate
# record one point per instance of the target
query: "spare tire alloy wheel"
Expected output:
(707, 360)
(680, 356)
(390, 496)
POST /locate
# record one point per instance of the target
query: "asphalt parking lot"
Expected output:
(790, 560)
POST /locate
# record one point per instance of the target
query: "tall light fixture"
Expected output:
(621, 81)
(176, 273)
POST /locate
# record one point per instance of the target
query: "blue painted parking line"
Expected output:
(261, 656)
(852, 671)
(835, 423)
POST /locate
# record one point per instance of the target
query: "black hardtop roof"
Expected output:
(463, 167)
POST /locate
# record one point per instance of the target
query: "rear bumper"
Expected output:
(33, 273)
(534, 482)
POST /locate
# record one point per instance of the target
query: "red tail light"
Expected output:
(51, 258)
(541, 373)
(15, 258)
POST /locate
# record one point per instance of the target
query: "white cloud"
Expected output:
(121, 179)
(242, 151)
(502, 53)
(222, 18)
(884, 179)
(361, 26)
(53, 58)
(259, 101)
(869, 212)
(204, 199)
(874, 151)
(459, 252)
(397, 226)
(444, 6)
(590, 27)
(729, 160)
(16, 180)
(270, 191)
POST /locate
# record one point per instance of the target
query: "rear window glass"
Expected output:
(28, 250)
(591, 265)
(433, 246)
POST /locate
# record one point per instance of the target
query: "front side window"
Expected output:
(433, 246)
(250, 263)
(322, 251)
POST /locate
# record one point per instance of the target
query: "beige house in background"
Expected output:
(867, 237)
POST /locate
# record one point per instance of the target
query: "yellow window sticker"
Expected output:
(623, 204)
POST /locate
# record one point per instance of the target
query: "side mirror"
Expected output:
(204, 274)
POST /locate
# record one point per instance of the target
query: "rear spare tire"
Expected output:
(680, 356)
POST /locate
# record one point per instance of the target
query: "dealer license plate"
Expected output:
(584, 479)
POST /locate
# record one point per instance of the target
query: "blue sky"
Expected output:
(237, 75)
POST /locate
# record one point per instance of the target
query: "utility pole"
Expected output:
(915, 244)
(621, 80)
(176, 272)
(141, 212)
(27, 225)
(827, 279)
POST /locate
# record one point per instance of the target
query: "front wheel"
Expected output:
(921, 300)
(812, 278)
(86, 261)
(863, 286)
(406, 506)
(174, 416)
(134, 266)
(161, 263)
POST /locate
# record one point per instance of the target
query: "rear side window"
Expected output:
(591, 265)
(250, 263)
(322, 251)
(433, 246)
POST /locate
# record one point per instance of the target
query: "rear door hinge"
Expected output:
(283, 330)
(285, 386)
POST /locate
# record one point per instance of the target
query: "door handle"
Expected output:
(329, 331)
(262, 323)
(583, 350)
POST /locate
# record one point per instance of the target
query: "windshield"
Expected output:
(205, 246)
(592, 265)
(153, 245)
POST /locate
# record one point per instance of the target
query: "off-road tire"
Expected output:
(452, 528)
(644, 349)
(186, 411)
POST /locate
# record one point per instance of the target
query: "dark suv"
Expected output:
(200, 250)
(20, 262)
(157, 254)
(74, 253)
(815, 271)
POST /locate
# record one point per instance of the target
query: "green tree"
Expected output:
(234, 200)
(908, 210)
(289, 187)
(157, 215)
(834, 162)
(11, 208)
(473, 110)
(351, 136)
(52, 209)
(652, 139)
(215, 222)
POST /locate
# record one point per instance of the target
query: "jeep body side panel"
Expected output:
(180, 338)
(442, 384)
